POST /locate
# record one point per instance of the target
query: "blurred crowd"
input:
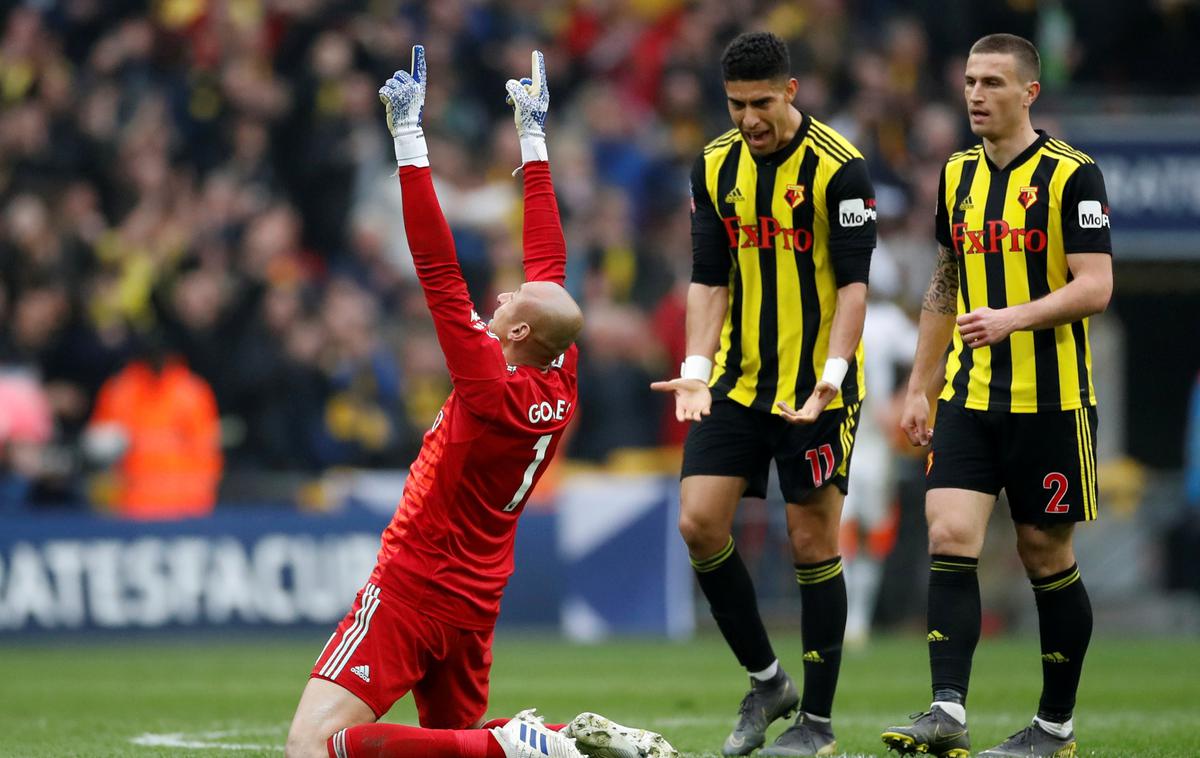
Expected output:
(203, 267)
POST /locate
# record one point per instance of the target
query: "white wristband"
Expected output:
(835, 371)
(533, 148)
(696, 367)
(411, 149)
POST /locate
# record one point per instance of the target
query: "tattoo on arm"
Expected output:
(942, 295)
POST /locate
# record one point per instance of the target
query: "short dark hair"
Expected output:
(1029, 63)
(754, 56)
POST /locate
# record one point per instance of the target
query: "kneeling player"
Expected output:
(423, 623)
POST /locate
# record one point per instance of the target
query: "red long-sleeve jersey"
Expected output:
(449, 548)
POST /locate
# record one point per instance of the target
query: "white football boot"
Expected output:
(525, 736)
(598, 737)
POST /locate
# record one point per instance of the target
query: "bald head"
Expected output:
(553, 315)
(537, 323)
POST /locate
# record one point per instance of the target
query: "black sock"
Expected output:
(953, 619)
(822, 625)
(730, 592)
(1065, 621)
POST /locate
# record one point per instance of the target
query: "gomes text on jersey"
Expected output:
(545, 412)
(851, 213)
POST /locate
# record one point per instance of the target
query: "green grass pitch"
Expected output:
(1139, 698)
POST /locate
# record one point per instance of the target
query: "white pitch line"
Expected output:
(182, 740)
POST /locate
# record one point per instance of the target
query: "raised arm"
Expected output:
(545, 248)
(470, 352)
(473, 358)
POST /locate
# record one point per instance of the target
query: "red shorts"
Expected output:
(384, 648)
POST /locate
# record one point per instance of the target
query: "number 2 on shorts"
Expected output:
(1058, 483)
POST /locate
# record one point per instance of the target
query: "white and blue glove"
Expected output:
(530, 99)
(404, 98)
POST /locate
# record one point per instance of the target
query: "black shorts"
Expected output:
(738, 441)
(1044, 461)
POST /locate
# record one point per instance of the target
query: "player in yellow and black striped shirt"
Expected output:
(812, 206)
(1024, 259)
(1011, 247)
(783, 227)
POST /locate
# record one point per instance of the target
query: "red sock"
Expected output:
(400, 741)
(495, 723)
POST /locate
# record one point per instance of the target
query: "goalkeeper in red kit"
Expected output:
(423, 623)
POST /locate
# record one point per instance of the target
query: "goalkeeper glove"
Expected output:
(403, 97)
(530, 99)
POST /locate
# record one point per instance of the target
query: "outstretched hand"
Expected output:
(822, 395)
(693, 400)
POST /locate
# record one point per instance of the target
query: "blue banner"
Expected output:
(608, 548)
(247, 569)
(1152, 186)
(626, 566)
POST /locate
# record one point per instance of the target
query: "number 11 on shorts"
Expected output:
(817, 456)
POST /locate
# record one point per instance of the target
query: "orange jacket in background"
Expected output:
(172, 465)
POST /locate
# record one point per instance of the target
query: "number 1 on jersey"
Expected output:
(540, 450)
